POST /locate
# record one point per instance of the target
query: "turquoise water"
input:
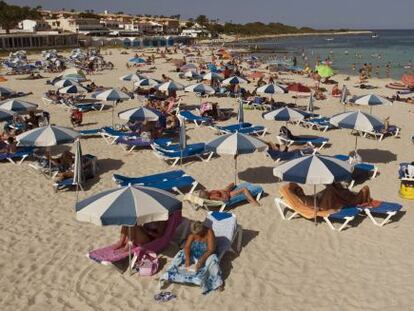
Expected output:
(393, 47)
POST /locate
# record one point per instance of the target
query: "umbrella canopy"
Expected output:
(200, 88)
(127, 206)
(4, 91)
(17, 105)
(299, 88)
(192, 74)
(47, 136)
(357, 120)
(73, 71)
(235, 144)
(170, 86)
(112, 95)
(137, 60)
(147, 82)
(132, 77)
(65, 83)
(139, 114)
(408, 79)
(284, 114)
(6, 115)
(72, 89)
(371, 100)
(325, 71)
(233, 80)
(271, 89)
(212, 76)
(188, 67)
(314, 170)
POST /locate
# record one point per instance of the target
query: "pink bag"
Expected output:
(147, 263)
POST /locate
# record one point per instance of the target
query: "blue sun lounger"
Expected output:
(165, 146)
(150, 179)
(361, 167)
(197, 202)
(174, 155)
(110, 135)
(244, 128)
(21, 153)
(322, 124)
(279, 156)
(315, 142)
(198, 120)
(385, 210)
(91, 132)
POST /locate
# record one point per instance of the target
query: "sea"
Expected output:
(390, 52)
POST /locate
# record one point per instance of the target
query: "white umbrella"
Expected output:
(139, 114)
(271, 89)
(170, 86)
(72, 89)
(200, 88)
(17, 105)
(192, 74)
(233, 80)
(47, 136)
(6, 114)
(64, 83)
(147, 82)
(114, 96)
(212, 76)
(371, 100)
(284, 114)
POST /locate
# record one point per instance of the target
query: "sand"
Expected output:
(283, 265)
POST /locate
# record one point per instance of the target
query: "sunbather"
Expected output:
(227, 193)
(10, 146)
(199, 251)
(140, 234)
(334, 196)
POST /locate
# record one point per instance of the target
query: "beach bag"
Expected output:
(147, 263)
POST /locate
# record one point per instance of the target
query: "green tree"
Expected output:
(202, 20)
(11, 15)
(88, 15)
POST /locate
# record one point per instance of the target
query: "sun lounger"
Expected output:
(21, 153)
(316, 143)
(290, 201)
(174, 156)
(197, 202)
(131, 143)
(279, 156)
(189, 116)
(110, 135)
(384, 210)
(321, 124)
(107, 255)
(169, 181)
(91, 132)
(244, 128)
(361, 167)
(379, 135)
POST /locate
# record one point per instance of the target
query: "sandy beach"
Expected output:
(283, 265)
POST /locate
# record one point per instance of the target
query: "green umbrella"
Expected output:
(325, 71)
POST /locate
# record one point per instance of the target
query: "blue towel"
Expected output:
(221, 215)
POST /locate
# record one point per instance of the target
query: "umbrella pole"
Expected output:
(356, 142)
(129, 250)
(315, 207)
(113, 110)
(235, 170)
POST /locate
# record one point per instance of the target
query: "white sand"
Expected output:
(282, 266)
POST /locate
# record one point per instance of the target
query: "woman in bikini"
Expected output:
(227, 193)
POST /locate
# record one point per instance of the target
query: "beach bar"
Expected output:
(17, 41)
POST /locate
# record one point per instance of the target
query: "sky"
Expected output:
(322, 14)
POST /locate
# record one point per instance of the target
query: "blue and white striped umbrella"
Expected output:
(171, 86)
(47, 136)
(233, 80)
(357, 120)
(191, 74)
(371, 100)
(139, 114)
(17, 105)
(112, 95)
(235, 144)
(212, 76)
(72, 89)
(6, 115)
(284, 114)
(132, 77)
(147, 82)
(137, 60)
(64, 83)
(271, 89)
(5, 91)
(314, 170)
(127, 206)
(200, 88)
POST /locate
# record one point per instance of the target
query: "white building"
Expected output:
(196, 33)
(29, 25)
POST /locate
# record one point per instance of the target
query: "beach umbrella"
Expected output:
(73, 71)
(132, 77)
(200, 88)
(298, 88)
(310, 104)
(6, 115)
(170, 86)
(284, 114)
(187, 67)
(314, 170)
(72, 89)
(240, 113)
(325, 71)
(114, 96)
(47, 136)
(139, 114)
(235, 144)
(233, 80)
(17, 105)
(147, 82)
(64, 83)
(212, 76)
(408, 79)
(74, 77)
(137, 60)
(191, 74)
(127, 206)
(371, 100)
(4, 91)
(357, 120)
(77, 170)
(271, 89)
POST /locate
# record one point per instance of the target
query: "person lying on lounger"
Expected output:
(227, 193)
(141, 235)
(10, 146)
(334, 196)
